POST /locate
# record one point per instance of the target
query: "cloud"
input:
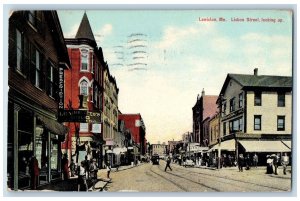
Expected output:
(183, 62)
(72, 32)
(272, 53)
(103, 33)
(179, 35)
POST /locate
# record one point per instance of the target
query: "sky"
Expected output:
(162, 59)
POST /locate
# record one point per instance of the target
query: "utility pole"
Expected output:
(219, 134)
(189, 135)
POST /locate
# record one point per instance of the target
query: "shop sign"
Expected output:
(79, 116)
(109, 143)
(96, 128)
(61, 88)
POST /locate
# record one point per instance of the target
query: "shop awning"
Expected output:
(201, 149)
(228, 145)
(109, 152)
(287, 143)
(119, 150)
(53, 126)
(264, 146)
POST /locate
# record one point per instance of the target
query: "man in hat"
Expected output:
(241, 162)
(275, 162)
(93, 172)
(284, 162)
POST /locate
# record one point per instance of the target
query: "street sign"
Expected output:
(79, 116)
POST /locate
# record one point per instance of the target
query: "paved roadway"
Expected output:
(153, 178)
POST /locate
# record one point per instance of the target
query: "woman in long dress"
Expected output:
(269, 165)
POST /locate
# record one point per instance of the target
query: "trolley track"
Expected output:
(181, 177)
(227, 180)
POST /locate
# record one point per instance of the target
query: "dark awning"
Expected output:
(53, 126)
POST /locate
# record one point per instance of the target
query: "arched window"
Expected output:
(84, 88)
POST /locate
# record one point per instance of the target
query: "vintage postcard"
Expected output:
(150, 100)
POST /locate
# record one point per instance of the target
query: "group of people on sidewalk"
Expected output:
(273, 161)
(246, 162)
(87, 170)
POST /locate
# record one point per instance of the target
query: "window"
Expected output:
(96, 72)
(224, 108)
(38, 73)
(50, 80)
(92, 67)
(96, 96)
(240, 100)
(224, 128)
(84, 88)
(22, 52)
(84, 127)
(280, 123)
(19, 50)
(36, 67)
(35, 18)
(241, 124)
(257, 122)
(32, 17)
(84, 60)
(92, 94)
(257, 99)
(281, 100)
(232, 105)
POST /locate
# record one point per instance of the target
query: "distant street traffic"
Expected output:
(153, 178)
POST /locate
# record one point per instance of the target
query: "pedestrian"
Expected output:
(81, 172)
(34, 172)
(179, 159)
(168, 164)
(241, 162)
(255, 160)
(275, 163)
(65, 167)
(247, 162)
(72, 168)
(269, 165)
(284, 162)
(93, 172)
(87, 166)
(108, 169)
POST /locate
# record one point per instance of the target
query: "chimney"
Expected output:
(255, 71)
(203, 93)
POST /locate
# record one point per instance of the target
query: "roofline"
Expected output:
(61, 38)
(79, 41)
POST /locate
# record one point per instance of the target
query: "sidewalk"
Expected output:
(234, 168)
(71, 184)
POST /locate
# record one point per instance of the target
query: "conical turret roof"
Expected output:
(85, 30)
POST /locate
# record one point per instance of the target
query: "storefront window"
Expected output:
(42, 151)
(54, 155)
(25, 146)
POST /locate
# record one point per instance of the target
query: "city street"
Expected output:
(153, 178)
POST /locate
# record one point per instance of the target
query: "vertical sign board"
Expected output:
(61, 87)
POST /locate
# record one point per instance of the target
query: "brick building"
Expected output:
(204, 109)
(84, 92)
(135, 124)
